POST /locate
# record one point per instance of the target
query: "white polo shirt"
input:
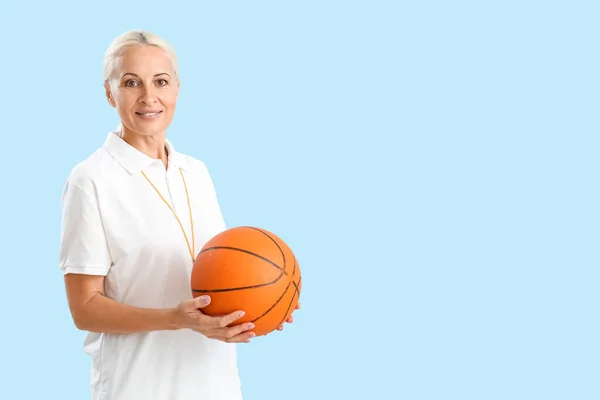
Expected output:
(115, 224)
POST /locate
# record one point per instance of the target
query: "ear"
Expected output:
(109, 96)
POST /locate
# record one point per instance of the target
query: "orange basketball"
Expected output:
(250, 269)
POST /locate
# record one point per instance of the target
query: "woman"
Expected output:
(135, 213)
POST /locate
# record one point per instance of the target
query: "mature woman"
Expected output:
(135, 213)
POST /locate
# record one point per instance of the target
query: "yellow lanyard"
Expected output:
(192, 248)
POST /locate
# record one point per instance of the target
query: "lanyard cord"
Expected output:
(191, 247)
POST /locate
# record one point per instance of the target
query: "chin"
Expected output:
(149, 128)
(152, 132)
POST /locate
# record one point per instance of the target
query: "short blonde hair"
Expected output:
(135, 37)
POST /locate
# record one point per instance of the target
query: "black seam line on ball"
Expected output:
(296, 292)
(275, 303)
(276, 244)
(238, 288)
(281, 272)
(244, 251)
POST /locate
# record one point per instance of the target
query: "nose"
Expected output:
(148, 95)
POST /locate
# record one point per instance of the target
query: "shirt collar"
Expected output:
(134, 160)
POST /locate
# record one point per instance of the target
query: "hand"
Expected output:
(187, 315)
(290, 319)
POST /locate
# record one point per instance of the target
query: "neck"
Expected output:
(153, 145)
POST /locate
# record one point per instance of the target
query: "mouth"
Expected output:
(149, 114)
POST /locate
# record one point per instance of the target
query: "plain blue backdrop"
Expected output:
(433, 164)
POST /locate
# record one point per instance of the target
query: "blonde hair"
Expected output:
(134, 37)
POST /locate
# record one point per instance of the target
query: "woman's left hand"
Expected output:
(290, 319)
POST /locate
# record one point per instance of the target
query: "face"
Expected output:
(144, 90)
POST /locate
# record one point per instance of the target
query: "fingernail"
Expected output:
(203, 299)
(241, 314)
(250, 326)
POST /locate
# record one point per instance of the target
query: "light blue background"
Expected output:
(433, 164)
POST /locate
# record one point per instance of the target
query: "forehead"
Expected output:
(144, 61)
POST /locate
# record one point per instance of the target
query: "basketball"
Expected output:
(249, 269)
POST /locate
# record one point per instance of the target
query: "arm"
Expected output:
(85, 260)
(92, 311)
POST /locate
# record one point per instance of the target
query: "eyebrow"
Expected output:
(137, 76)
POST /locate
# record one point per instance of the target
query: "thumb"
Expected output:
(201, 301)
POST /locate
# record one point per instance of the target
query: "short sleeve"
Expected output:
(83, 244)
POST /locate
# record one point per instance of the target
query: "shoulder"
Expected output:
(194, 165)
(86, 174)
(198, 172)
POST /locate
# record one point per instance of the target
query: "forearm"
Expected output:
(102, 314)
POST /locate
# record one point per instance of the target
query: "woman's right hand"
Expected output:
(188, 315)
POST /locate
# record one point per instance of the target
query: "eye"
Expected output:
(162, 82)
(130, 83)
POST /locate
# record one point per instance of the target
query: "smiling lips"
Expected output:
(149, 114)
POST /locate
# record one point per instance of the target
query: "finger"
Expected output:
(290, 319)
(280, 328)
(202, 301)
(298, 306)
(225, 320)
(243, 337)
(233, 331)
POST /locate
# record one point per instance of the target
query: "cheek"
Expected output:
(169, 99)
(125, 101)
